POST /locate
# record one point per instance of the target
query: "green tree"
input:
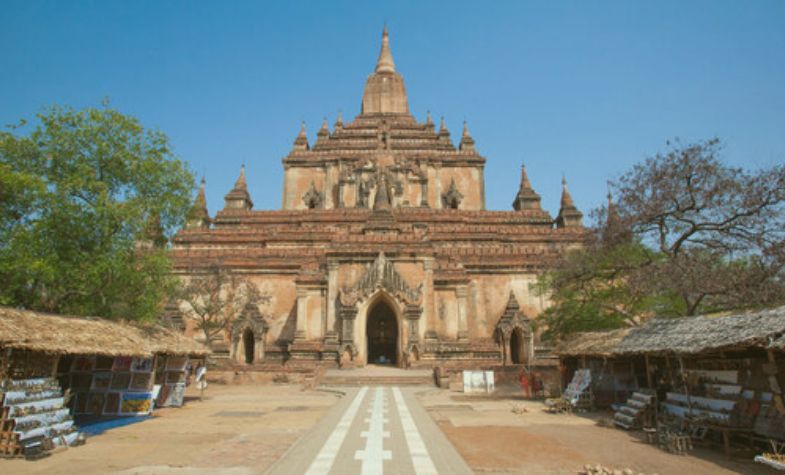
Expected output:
(87, 200)
(687, 235)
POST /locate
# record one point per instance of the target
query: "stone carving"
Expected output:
(511, 319)
(313, 198)
(381, 275)
(251, 319)
(452, 197)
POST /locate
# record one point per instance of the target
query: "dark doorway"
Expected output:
(248, 343)
(382, 335)
(517, 347)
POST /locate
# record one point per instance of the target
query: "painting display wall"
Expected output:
(109, 385)
(171, 375)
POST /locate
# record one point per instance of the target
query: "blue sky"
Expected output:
(580, 88)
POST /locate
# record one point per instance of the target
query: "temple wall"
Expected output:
(488, 293)
(297, 181)
(280, 310)
(467, 180)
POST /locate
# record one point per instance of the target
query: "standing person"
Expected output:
(524, 380)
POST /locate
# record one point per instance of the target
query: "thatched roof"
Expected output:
(690, 335)
(36, 331)
(165, 340)
(686, 335)
(599, 343)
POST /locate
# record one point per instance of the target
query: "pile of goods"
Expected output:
(34, 417)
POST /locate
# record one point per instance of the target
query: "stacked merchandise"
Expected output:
(104, 385)
(33, 410)
(638, 412)
(713, 397)
(170, 376)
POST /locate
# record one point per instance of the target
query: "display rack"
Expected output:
(637, 412)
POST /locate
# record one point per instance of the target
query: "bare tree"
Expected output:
(215, 296)
(718, 229)
(686, 235)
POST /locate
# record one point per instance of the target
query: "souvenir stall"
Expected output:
(715, 380)
(53, 368)
(703, 380)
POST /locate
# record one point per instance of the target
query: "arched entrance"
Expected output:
(382, 334)
(248, 343)
(517, 347)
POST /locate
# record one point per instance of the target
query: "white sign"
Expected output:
(478, 382)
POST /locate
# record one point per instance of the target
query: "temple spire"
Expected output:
(385, 64)
(239, 198)
(569, 215)
(198, 216)
(301, 142)
(526, 198)
(339, 121)
(241, 184)
(324, 132)
(467, 142)
(566, 198)
(385, 92)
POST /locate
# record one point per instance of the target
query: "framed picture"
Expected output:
(95, 406)
(122, 363)
(174, 377)
(120, 381)
(80, 403)
(176, 363)
(101, 381)
(81, 381)
(82, 364)
(144, 365)
(136, 403)
(140, 381)
(112, 405)
(104, 363)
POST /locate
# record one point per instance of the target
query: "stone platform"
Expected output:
(377, 375)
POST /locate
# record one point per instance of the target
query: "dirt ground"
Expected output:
(235, 430)
(492, 439)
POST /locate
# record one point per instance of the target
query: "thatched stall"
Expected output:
(612, 379)
(726, 373)
(106, 368)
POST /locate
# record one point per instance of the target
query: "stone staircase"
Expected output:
(373, 375)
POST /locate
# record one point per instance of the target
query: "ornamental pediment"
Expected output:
(381, 274)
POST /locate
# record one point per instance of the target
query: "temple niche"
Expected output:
(383, 251)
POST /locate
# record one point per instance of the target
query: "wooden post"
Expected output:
(648, 372)
(686, 385)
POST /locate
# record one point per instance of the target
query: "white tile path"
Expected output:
(423, 465)
(398, 437)
(324, 460)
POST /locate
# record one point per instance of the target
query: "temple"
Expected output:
(383, 251)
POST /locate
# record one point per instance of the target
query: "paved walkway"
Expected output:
(374, 430)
